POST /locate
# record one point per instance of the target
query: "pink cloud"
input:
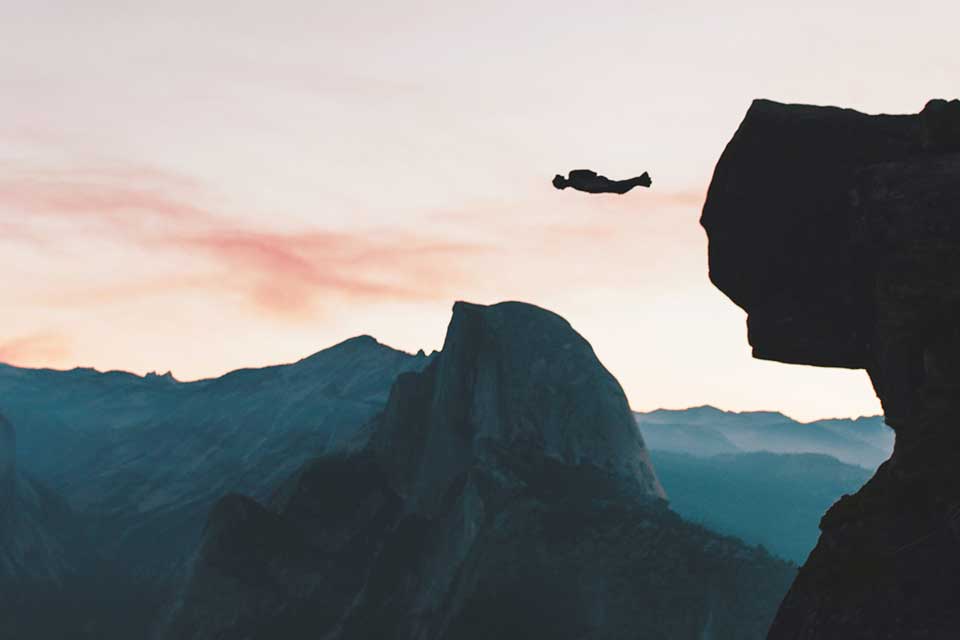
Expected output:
(102, 199)
(297, 273)
(287, 272)
(35, 350)
(146, 176)
(11, 232)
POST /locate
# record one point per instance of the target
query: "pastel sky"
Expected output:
(201, 186)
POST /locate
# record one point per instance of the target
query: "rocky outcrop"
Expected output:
(515, 378)
(839, 234)
(503, 492)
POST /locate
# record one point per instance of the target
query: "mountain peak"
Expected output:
(512, 377)
(352, 345)
(503, 492)
(165, 377)
(363, 341)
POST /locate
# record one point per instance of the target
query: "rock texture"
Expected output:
(35, 523)
(504, 492)
(839, 234)
(143, 459)
(140, 455)
(42, 547)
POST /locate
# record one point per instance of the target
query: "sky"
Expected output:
(202, 186)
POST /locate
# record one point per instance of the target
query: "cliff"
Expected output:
(839, 234)
(503, 492)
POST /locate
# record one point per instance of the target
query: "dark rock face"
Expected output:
(839, 234)
(940, 122)
(504, 492)
(519, 378)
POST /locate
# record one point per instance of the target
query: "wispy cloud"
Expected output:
(301, 273)
(283, 272)
(113, 199)
(35, 349)
(287, 272)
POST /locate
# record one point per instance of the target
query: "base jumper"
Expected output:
(589, 181)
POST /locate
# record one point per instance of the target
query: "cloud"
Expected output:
(109, 198)
(188, 242)
(284, 272)
(145, 176)
(35, 349)
(287, 272)
(19, 233)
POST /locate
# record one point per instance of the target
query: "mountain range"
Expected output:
(704, 431)
(490, 483)
(141, 460)
(504, 491)
(760, 475)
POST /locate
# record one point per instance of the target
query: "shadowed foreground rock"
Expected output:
(839, 234)
(504, 492)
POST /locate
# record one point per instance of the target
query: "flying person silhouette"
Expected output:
(588, 181)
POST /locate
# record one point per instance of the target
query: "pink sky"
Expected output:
(200, 189)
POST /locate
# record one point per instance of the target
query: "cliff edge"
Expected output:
(839, 234)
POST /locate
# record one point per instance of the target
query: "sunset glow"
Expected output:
(198, 191)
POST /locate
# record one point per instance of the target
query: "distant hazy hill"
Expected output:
(760, 475)
(706, 431)
(775, 500)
